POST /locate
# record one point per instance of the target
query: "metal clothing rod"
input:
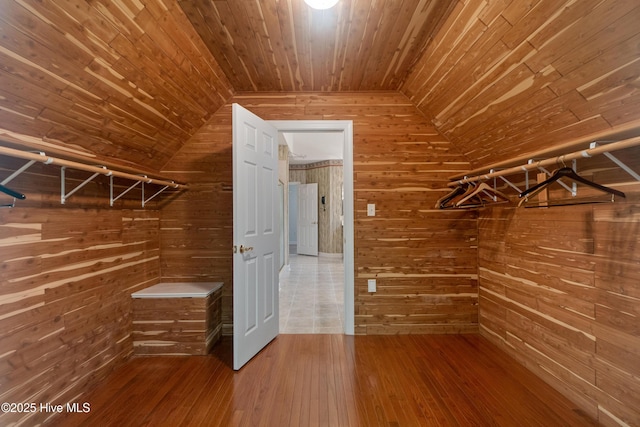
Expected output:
(88, 168)
(590, 152)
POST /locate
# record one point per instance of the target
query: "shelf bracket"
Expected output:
(113, 199)
(618, 162)
(20, 170)
(145, 201)
(9, 205)
(526, 172)
(64, 195)
(509, 183)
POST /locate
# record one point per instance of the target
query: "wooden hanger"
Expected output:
(452, 199)
(442, 201)
(565, 172)
(476, 195)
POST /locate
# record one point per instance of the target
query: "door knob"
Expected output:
(244, 249)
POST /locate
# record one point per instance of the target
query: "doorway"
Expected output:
(344, 128)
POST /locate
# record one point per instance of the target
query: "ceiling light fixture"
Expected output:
(321, 4)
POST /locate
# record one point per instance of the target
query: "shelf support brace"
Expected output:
(113, 199)
(145, 201)
(9, 205)
(526, 174)
(20, 170)
(617, 161)
(64, 195)
(509, 183)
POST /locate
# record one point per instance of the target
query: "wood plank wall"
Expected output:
(559, 291)
(328, 175)
(66, 275)
(424, 260)
(506, 78)
(329, 179)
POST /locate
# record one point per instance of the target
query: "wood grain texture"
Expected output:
(122, 80)
(150, 84)
(288, 46)
(424, 259)
(132, 81)
(328, 176)
(66, 275)
(333, 380)
(176, 326)
(559, 292)
(506, 78)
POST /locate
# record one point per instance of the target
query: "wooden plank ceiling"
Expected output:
(135, 79)
(358, 45)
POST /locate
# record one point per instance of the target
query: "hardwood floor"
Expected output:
(332, 380)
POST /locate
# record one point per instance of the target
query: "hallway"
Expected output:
(312, 295)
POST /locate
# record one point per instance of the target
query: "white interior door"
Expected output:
(255, 235)
(308, 219)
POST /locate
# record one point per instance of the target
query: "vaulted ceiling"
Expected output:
(134, 79)
(288, 46)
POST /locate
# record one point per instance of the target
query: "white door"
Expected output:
(308, 219)
(255, 235)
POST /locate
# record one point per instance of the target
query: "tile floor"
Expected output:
(312, 295)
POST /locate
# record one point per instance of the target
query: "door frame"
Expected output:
(346, 127)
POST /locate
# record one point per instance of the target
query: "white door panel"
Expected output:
(255, 235)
